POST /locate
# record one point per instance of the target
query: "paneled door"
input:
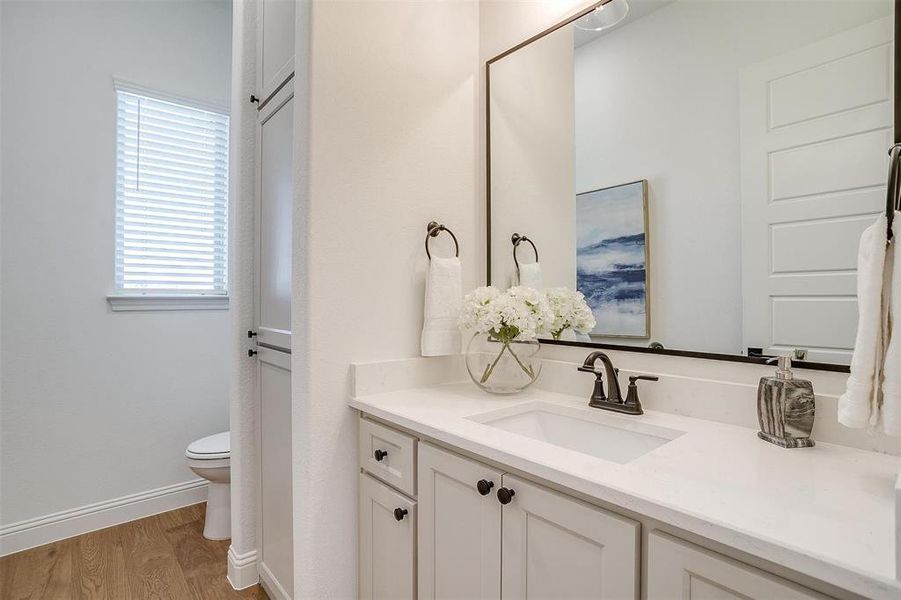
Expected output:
(387, 542)
(816, 124)
(681, 571)
(275, 199)
(272, 299)
(459, 537)
(559, 547)
(276, 509)
(275, 45)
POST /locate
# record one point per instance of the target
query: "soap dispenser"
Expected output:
(785, 407)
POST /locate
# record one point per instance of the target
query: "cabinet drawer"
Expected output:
(388, 455)
(677, 569)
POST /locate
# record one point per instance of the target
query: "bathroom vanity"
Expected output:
(468, 495)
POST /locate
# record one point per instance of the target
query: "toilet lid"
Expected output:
(212, 447)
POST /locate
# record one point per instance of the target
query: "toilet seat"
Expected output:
(214, 447)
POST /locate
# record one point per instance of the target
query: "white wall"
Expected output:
(533, 160)
(393, 145)
(668, 85)
(95, 405)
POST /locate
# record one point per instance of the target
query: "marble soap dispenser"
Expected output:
(785, 407)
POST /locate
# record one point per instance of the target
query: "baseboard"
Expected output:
(271, 585)
(242, 569)
(100, 515)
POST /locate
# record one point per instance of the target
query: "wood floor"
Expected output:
(164, 557)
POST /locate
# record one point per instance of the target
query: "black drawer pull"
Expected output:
(400, 513)
(484, 486)
(379, 455)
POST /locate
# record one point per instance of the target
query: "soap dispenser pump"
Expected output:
(785, 407)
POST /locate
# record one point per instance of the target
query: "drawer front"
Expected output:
(388, 455)
(678, 569)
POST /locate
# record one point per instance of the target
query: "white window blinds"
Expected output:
(171, 197)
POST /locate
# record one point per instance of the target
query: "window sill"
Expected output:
(140, 302)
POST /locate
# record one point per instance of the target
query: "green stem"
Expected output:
(508, 348)
(490, 368)
(528, 370)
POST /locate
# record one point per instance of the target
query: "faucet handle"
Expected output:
(590, 369)
(632, 395)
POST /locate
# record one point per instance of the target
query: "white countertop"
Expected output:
(826, 511)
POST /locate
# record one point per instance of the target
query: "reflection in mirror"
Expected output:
(701, 170)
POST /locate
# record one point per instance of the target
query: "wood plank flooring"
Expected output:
(164, 557)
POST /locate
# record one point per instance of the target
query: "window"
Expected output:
(171, 197)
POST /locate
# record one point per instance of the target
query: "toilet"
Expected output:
(210, 458)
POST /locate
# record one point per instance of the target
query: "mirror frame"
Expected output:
(800, 364)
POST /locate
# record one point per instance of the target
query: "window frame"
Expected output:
(135, 300)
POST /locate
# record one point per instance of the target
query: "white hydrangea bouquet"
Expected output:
(501, 354)
(571, 311)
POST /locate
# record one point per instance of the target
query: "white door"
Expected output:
(816, 124)
(387, 542)
(459, 536)
(275, 198)
(681, 571)
(276, 510)
(275, 45)
(555, 546)
(273, 330)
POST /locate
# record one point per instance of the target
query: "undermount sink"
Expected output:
(601, 435)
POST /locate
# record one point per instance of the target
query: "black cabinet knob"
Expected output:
(251, 333)
(254, 99)
(484, 486)
(505, 495)
(400, 513)
(251, 353)
(379, 455)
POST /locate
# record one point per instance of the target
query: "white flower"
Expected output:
(570, 311)
(519, 313)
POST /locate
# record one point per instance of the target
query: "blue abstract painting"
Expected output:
(611, 258)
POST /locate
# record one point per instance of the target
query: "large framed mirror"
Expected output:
(700, 169)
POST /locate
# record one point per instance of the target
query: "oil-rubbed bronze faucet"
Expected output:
(631, 405)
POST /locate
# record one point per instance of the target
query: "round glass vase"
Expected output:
(502, 367)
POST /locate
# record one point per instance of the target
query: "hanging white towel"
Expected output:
(891, 382)
(859, 405)
(530, 276)
(443, 297)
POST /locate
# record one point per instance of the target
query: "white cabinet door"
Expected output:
(459, 528)
(678, 570)
(276, 541)
(275, 200)
(559, 547)
(387, 542)
(275, 45)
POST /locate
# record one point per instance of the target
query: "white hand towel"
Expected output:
(443, 297)
(859, 405)
(530, 276)
(891, 382)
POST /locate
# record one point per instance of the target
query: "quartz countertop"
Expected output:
(826, 511)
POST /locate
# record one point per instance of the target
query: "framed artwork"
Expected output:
(612, 258)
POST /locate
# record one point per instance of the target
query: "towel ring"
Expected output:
(433, 229)
(517, 239)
